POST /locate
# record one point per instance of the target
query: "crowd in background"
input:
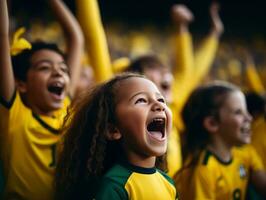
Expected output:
(185, 68)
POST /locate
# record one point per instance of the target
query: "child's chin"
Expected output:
(244, 142)
(160, 153)
(57, 106)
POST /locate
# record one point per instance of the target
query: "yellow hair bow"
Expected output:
(19, 44)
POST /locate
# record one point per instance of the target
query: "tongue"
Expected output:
(156, 134)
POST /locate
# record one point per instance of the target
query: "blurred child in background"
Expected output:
(216, 123)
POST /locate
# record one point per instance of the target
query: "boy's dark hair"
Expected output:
(21, 62)
(145, 62)
(256, 103)
(203, 102)
(87, 154)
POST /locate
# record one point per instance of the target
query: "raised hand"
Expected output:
(217, 27)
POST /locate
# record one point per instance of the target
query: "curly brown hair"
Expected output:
(87, 154)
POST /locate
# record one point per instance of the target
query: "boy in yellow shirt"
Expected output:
(34, 89)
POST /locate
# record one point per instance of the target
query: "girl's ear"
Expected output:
(113, 133)
(21, 86)
(211, 124)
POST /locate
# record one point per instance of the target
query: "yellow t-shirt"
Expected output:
(213, 179)
(174, 156)
(28, 144)
(259, 138)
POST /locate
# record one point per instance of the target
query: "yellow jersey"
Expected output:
(213, 179)
(125, 181)
(28, 144)
(258, 140)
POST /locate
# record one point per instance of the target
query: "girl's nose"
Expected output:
(158, 106)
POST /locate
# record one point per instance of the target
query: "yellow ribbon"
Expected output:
(19, 44)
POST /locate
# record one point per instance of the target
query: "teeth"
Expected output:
(57, 84)
(158, 120)
(245, 129)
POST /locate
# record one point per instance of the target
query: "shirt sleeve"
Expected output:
(110, 190)
(96, 43)
(204, 57)
(254, 80)
(255, 161)
(182, 70)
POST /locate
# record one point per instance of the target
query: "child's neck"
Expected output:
(40, 112)
(141, 161)
(222, 151)
(35, 109)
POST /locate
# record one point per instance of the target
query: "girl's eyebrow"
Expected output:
(136, 95)
(145, 93)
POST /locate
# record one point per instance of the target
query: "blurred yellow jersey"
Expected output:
(28, 144)
(174, 156)
(259, 138)
(214, 179)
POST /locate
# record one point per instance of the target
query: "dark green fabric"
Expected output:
(112, 184)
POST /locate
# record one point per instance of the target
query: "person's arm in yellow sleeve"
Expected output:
(184, 58)
(89, 17)
(253, 79)
(74, 41)
(7, 80)
(205, 54)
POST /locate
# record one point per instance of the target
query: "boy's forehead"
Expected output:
(45, 51)
(46, 54)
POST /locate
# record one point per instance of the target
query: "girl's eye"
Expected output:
(141, 100)
(161, 100)
(238, 112)
(64, 68)
(44, 67)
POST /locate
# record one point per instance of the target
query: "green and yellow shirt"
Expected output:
(125, 181)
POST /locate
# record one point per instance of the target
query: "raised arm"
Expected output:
(74, 40)
(7, 80)
(184, 58)
(205, 55)
(98, 53)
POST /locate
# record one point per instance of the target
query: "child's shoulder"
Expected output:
(113, 182)
(168, 178)
(118, 171)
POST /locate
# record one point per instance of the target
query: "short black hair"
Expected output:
(21, 62)
(145, 62)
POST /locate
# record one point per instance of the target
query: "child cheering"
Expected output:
(215, 167)
(115, 138)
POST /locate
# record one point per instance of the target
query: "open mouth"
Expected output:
(156, 128)
(56, 88)
(245, 130)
